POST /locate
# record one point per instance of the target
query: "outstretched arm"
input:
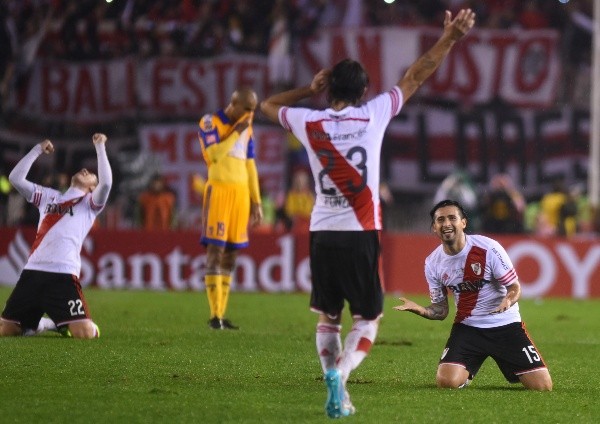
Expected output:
(270, 107)
(18, 176)
(418, 72)
(102, 190)
(436, 311)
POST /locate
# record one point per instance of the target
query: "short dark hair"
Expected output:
(447, 202)
(347, 81)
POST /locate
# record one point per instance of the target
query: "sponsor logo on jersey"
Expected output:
(468, 286)
(58, 209)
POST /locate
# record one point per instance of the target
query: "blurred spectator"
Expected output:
(5, 188)
(7, 52)
(550, 208)
(157, 206)
(60, 181)
(280, 44)
(459, 186)
(532, 16)
(569, 214)
(502, 207)
(299, 200)
(386, 198)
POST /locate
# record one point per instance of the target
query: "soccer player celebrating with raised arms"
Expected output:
(344, 147)
(486, 289)
(49, 282)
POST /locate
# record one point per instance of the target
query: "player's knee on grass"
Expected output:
(8, 329)
(538, 380)
(451, 377)
(84, 330)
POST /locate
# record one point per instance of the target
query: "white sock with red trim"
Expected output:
(357, 344)
(329, 344)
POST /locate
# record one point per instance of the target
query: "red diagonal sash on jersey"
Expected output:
(51, 219)
(474, 269)
(344, 176)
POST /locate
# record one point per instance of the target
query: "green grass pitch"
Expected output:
(158, 362)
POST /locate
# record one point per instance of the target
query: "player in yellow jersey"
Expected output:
(231, 196)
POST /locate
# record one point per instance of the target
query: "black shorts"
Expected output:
(38, 292)
(345, 267)
(509, 345)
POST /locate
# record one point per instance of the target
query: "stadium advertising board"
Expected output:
(279, 262)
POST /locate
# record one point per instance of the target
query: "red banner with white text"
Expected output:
(521, 67)
(278, 262)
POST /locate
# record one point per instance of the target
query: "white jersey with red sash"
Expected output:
(477, 276)
(344, 149)
(65, 220)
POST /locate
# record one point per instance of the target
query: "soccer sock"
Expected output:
(46, 324)
(357, 344)
(225, 285)
(329, 344)
(97, 330)
(213, 292)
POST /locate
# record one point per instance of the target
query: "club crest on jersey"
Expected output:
(476, 267)
(207, 122)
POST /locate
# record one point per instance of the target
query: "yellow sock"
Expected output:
(214, 285)
(225, 283)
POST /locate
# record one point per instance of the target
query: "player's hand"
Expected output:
(408, 305)
(504, 305)
(460, 25)
(320, 81)
(99, 138)
(256, 214)
(244, 122)
(47, 147)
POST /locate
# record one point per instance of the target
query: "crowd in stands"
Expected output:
(100, 30)
(499, 207)
(97, 29)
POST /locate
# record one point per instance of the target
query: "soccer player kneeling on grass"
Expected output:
(485, 286)
(49, 283)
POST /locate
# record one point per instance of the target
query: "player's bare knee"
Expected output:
(84, 330)
(542, 382)
(8, 329)
(451, 377)
(448, 382)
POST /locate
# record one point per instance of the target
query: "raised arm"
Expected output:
(435, 311)
(423, 67)
(18, 176)
(270, 107)
(102, 190)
